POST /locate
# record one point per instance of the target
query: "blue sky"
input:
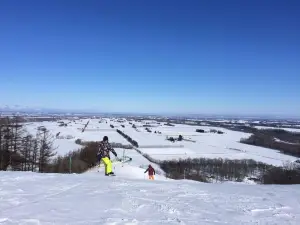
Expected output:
(240, 57)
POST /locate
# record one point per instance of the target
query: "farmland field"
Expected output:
(155, 143)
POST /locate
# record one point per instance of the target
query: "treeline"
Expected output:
(85, 126)
(76, 161)
(113, 144)
(206, 170)
(211, 131)
(129, 139)
(287, 142)
(22, 151)
(220, 170)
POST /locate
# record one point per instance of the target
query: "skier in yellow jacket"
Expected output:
(103, 154)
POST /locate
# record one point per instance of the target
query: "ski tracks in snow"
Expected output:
(94, 199)
(179, 204)
(160, 201)
(38, 200)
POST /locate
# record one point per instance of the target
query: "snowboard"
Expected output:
(111, 175)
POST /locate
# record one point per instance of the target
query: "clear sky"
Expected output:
(240, 57)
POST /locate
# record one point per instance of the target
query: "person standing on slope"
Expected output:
(103, 154)
(151, 172)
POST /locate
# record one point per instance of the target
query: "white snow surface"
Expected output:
(139, 163)
(211, 145)
(29, 198)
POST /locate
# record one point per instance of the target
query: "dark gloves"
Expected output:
(115, 154)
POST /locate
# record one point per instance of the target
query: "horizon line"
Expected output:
(173, 114)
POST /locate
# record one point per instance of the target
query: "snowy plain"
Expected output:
(194, 145)
(94, 132)
(211, 145)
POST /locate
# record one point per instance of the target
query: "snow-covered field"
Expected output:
(94, 132)
(209, 145)
(129, 198)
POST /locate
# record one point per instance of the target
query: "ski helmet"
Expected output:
(105, 138)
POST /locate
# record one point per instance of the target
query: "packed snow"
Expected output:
(130, 198)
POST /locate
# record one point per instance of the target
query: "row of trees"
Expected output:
(129, 139)
(76, 161)
(20, 150)
(217, 169)
(85, 126)
(113, 144)
(211, 131)
(204, 169)
(286, 142)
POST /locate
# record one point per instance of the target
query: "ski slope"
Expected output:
(30, 198)
(137, 166)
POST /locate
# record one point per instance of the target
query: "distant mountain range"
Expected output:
(15, 108)
(27, 110)
(40, 110)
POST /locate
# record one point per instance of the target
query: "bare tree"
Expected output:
(46, 149)
(18, 133)
(26, 153)
(35, 154)
(5, 143)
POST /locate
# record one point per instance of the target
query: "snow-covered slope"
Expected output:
(132, 169)
(91, 198)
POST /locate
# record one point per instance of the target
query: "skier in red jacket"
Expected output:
(151, 172)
